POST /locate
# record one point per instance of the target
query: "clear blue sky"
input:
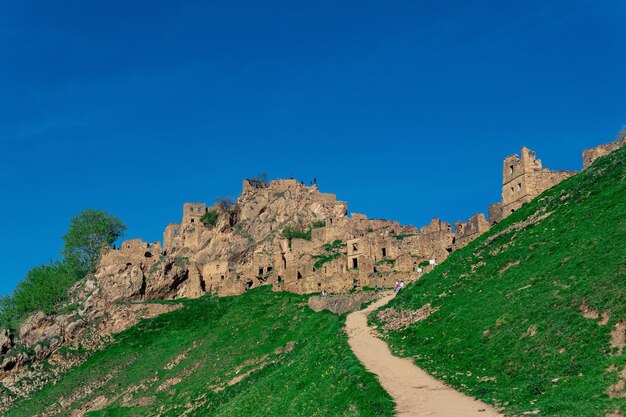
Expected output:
(404, 109)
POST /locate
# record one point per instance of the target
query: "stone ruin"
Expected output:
(590, 155)
(246, 248)
(523, 178)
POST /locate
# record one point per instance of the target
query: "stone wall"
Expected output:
(466, 232)
(192, 212)
(523, 178)
(590, 155)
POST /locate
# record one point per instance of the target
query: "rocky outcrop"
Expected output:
(130, 276)
(40, 328)
(342, 303)
(6, 341)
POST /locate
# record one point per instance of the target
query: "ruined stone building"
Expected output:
(523, 178)
(590, 155)
(249, 245)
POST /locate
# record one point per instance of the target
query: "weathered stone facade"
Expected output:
(523, 178)
(590, 155)
(246, 247)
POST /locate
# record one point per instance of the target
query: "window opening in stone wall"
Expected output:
(260, 270)
(355, 263)
(148, 254)
(512, 190)
(354, 247)
(511, 169)
(222, 278)
(191, 220)
(299, 275)
(384, 252)
(269, 269)
(519, 186)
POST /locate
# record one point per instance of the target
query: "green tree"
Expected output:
(209, 219)
(43, 288)
(90, 231)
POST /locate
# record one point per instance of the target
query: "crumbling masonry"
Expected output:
(339, 252)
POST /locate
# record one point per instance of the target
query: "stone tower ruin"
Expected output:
(523, 178)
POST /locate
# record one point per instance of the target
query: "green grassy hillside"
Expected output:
(509, 328)
(260, 354)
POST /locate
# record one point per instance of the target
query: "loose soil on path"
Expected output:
(415, 392)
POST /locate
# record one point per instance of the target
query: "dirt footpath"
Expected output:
(415, 392)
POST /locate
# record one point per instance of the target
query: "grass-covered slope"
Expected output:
(509, 328)
(259, 354)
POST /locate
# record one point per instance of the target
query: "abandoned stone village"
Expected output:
(280, 233)
(247, 245)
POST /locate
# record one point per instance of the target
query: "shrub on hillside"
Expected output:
(293, 232)
(43, 288)
(317, 224)
(209, 219)
(46, 286)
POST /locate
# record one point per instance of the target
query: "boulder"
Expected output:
(6, 341)
(39, 328)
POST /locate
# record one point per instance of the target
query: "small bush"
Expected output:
(293, 232)
(400, 237)
(322, 259)
(423, 263)
(225, 203)
(43, 288)
(331, 253)
(181, 261)
(317, 224)
(209, 219)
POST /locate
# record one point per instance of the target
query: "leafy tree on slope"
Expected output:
(90, 231)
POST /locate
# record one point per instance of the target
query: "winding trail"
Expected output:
(415, 392)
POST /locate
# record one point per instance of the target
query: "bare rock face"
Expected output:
(139, 271)
(39, 328)
(342, 303)
(6, 341)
